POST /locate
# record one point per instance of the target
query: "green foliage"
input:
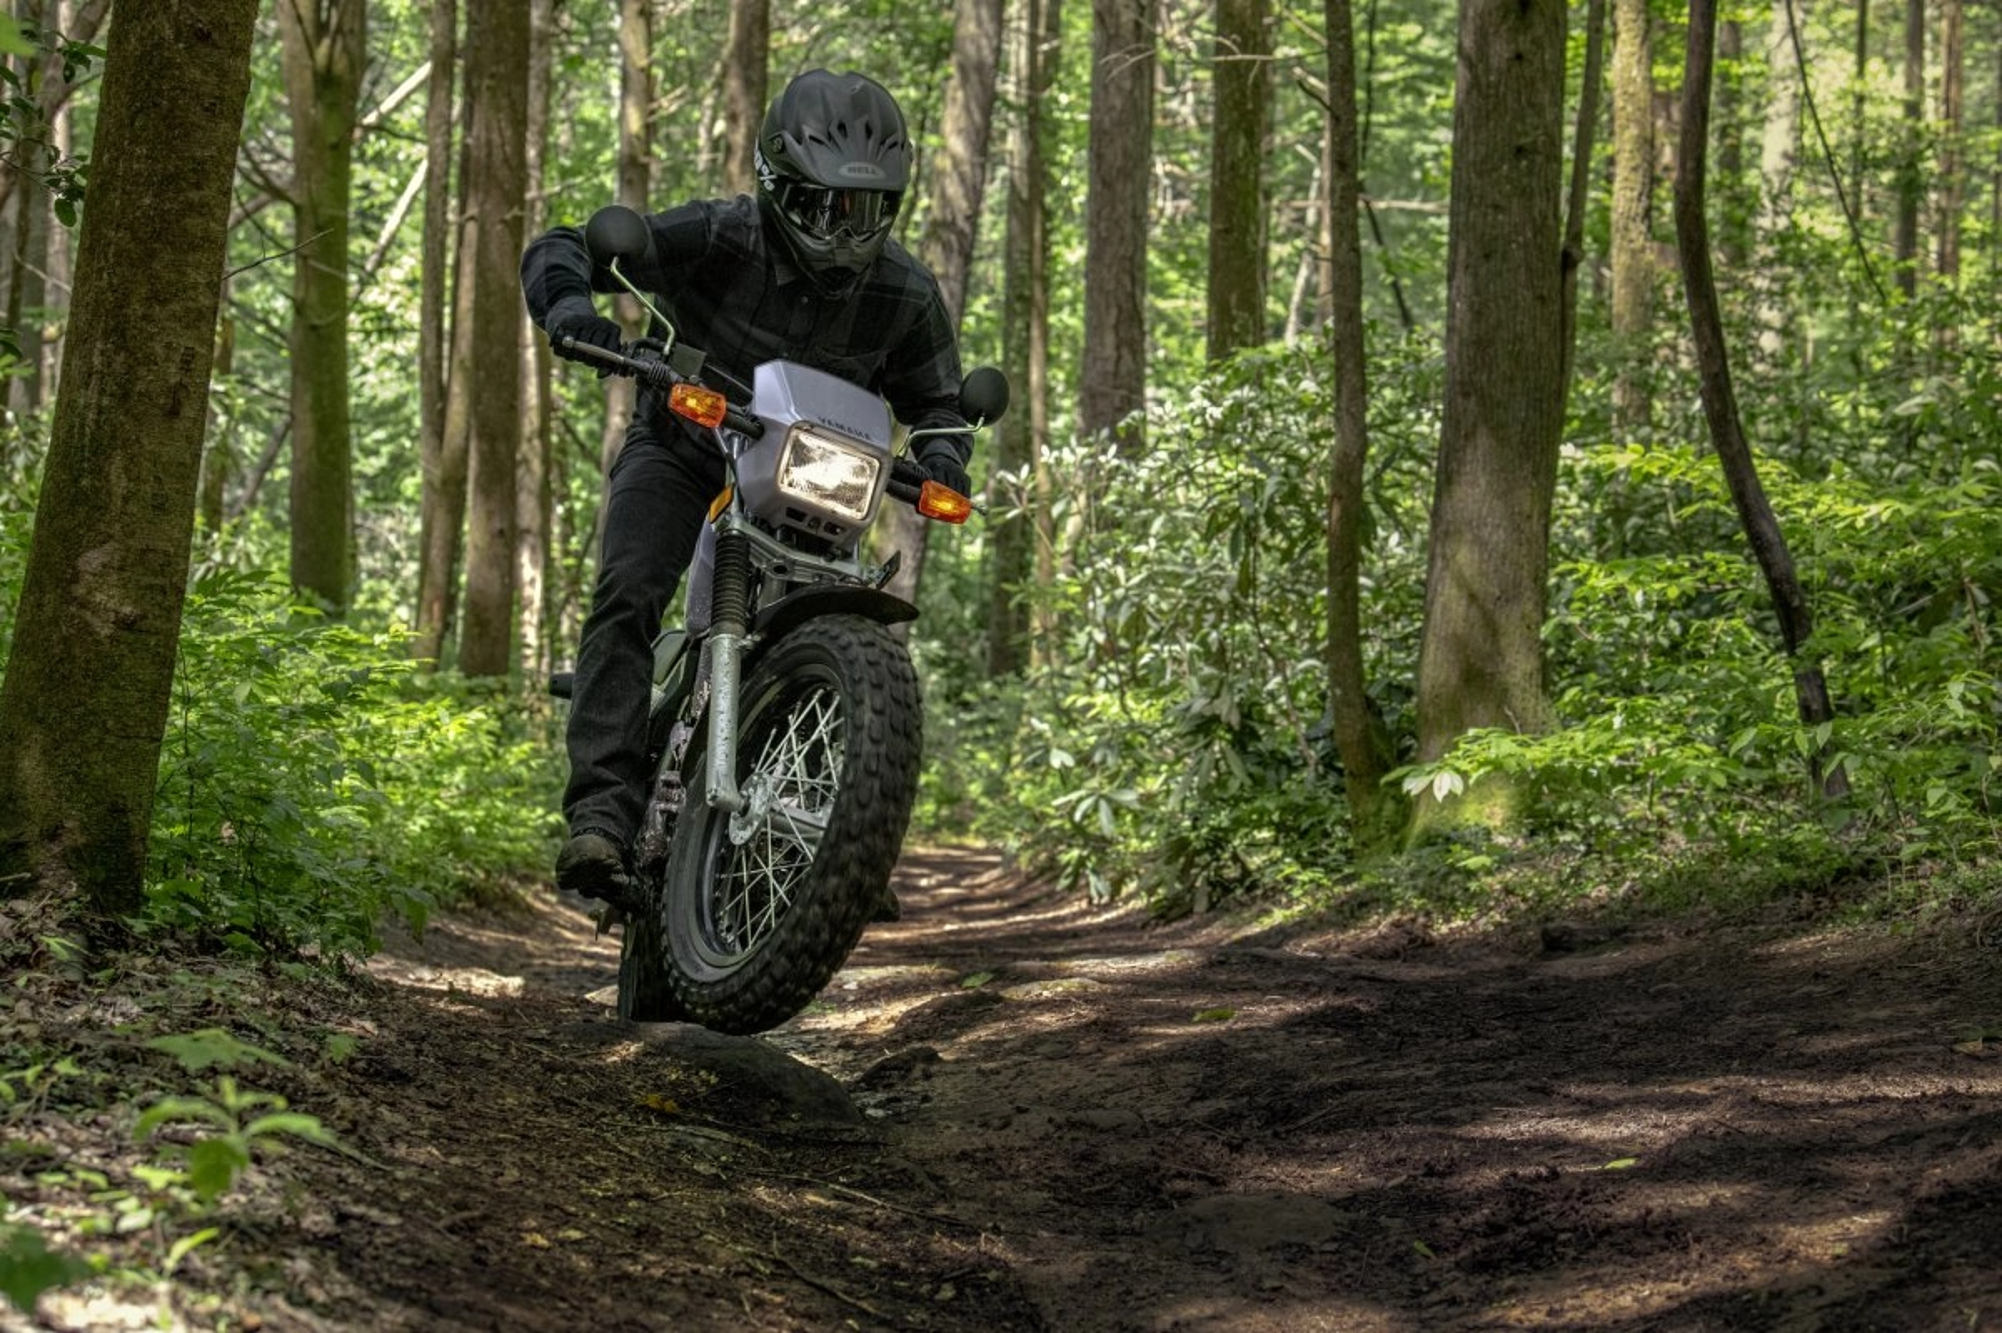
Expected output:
(28, 1267)
(1679, 718)
(1177, 737)
(313, 780)
(226, 1129)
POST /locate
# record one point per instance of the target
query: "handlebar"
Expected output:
(656, 373)
(907, 478)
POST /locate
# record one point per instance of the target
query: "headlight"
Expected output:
(829, 472)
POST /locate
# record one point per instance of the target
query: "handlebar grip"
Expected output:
(906, 479)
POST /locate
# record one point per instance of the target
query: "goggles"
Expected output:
(825, 211)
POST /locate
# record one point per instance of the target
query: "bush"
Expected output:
(312, 780)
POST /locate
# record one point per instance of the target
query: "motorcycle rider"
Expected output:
(805, 271)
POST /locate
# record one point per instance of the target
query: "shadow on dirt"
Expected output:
(1027, 1112)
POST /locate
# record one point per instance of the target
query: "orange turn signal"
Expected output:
(704, 407)
(943, 503)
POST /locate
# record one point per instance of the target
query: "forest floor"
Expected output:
(1016, 1111)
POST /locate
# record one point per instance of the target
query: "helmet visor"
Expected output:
(826, 211)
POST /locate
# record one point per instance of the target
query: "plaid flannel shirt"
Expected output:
(744, 302)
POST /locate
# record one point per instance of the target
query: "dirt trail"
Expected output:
(1030, 1114)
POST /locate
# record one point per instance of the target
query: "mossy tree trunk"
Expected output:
(83, 708)
(1242, 113)
(443, 501)
(1633, 212)
(1364, 747)
(1120, 175)
(746, 84)
(496, 159)
(1481, 653)
(1020, 514)
(324, 43)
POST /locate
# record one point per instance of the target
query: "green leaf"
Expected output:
(212, 1046)
(294, 1123)
(975, 980)
(179, 1249)
(1621, 1164)
(1221, 1014)
(28, 1267)
(12, 43)
(171, 1109)
(213, 1165)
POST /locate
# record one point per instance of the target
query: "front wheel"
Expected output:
(761, 907)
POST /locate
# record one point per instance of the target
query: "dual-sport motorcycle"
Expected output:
(784, 735)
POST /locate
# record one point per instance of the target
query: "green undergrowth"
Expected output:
(147, 1098)
(314, 780)
(1172, 740)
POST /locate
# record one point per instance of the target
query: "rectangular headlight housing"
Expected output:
(829, 473)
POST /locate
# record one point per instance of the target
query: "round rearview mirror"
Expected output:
(617, 232)
(983, 397)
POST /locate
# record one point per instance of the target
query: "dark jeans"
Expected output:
(659, 496)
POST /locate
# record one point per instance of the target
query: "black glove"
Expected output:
(576, 318)
(942, 463)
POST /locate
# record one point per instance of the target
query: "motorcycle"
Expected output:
(784, 735)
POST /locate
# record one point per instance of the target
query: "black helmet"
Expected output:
(833, 160)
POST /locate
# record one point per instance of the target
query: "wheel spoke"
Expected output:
(799, 770)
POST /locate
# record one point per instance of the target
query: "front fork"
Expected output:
(729, 627)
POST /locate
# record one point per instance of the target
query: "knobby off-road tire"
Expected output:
(761, 908)
(644, 993)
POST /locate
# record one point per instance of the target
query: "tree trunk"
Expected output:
(443, 502)
(1779, 150)
(1633, 212)
(324, 43)
(958, 177)
(1113, 390)
(634, 171)
(1481, 655)
(533, 498)
(1911, 178)
(83, 706)
(1720, 407)
(1952, 113)
(1236, 296)
(497, 71)
(1363, 746)
(1019, 440)
(28, 256)
(1581, 179)
(746, 61)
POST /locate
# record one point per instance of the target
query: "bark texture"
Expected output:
(1633, 210)
(746, 81)
(1481, 655)
(83, 706)
(534, 501)
(443, 501)
(497, 72)
(324, 44)
(1020, 512)
(1114, 388)
(1581, 177)
(958, 180)
(1911, 171)
(634, 180)
(1242, 80)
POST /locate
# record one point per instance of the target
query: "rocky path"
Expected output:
(1018, 1112)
